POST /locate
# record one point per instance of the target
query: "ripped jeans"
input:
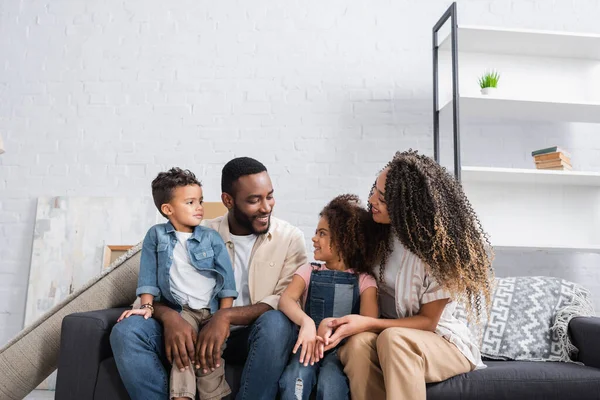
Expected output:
(297, 381)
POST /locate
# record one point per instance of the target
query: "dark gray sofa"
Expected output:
(86, 368)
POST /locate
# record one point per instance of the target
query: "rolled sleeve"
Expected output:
(272, 300)
(148, 274)
(223, 266)
(434, 291)
(228, 293)
(153, 290)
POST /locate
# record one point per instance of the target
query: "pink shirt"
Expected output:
(365, 281)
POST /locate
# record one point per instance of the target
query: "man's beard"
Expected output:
(246, 221)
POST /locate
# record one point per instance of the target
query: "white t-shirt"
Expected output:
(408, 285)
(242, 248)
(188, 285)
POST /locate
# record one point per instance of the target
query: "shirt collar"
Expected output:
(195, 233)
(170, 227)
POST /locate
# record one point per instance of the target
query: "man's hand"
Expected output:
(179, 340)
(210, 341)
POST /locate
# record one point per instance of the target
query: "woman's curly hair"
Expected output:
(432, 217)
(349, 225)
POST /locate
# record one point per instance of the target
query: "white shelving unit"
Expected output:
(525, 42)
(546, 247)
(529, 209)
(478, 106)
(530, 176)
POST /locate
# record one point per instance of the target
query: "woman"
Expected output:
(434, 254)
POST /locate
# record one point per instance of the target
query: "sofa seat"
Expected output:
(507, 380)
(87, 370)
(516, 380)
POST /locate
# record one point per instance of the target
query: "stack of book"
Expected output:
(552, 158)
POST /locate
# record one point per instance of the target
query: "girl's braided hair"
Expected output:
(432, 217)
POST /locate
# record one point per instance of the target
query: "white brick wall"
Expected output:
(97, 97)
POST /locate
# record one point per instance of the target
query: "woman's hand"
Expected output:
(307, 338)
(347, 326)
(145, 312)
(323, 334)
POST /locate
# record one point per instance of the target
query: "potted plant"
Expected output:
(489, 82)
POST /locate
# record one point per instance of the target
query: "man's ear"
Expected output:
(166, 209)
(227, 200)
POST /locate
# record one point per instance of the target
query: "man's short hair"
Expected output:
(236, 168)
(165, 182)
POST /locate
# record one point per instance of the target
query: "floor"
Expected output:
(40, 395)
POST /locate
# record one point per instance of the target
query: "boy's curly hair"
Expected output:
(349, 226)
(433, 218)
(165, 182)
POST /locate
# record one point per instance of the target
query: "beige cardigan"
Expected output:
(275, 257)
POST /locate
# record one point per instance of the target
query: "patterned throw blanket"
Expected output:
(529, 319)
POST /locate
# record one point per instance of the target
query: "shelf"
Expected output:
(532, 43)
(547, 248)
(531, 110)
(530, 176)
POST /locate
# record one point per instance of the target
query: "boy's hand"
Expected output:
(145, 312)
(307, 338)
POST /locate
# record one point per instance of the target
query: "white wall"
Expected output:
(97, 97)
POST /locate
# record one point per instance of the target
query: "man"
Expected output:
(265, 252)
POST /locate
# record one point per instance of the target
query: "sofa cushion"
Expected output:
(515, 380)
(529, 319)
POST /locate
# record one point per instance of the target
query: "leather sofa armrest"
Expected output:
(84, 343)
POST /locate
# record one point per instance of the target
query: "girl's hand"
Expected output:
(307, 338)
(347, 326)
(324, 331)
(145, 312)
(319, 349)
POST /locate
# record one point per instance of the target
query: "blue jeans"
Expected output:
(298, 381)
(264, 346)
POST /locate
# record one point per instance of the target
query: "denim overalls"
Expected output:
(330, 294)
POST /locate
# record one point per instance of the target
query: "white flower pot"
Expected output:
(489, 91)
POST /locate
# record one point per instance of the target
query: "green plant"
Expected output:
(489, 79)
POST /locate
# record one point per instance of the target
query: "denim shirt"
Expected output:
(207, 253)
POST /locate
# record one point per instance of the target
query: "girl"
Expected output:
(340, 286)
(433, 253)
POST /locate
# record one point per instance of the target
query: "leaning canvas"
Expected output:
(70, 237)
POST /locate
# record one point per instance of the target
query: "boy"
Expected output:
(187, 267)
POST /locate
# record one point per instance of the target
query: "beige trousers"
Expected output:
(398, 362)
(211, 386)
